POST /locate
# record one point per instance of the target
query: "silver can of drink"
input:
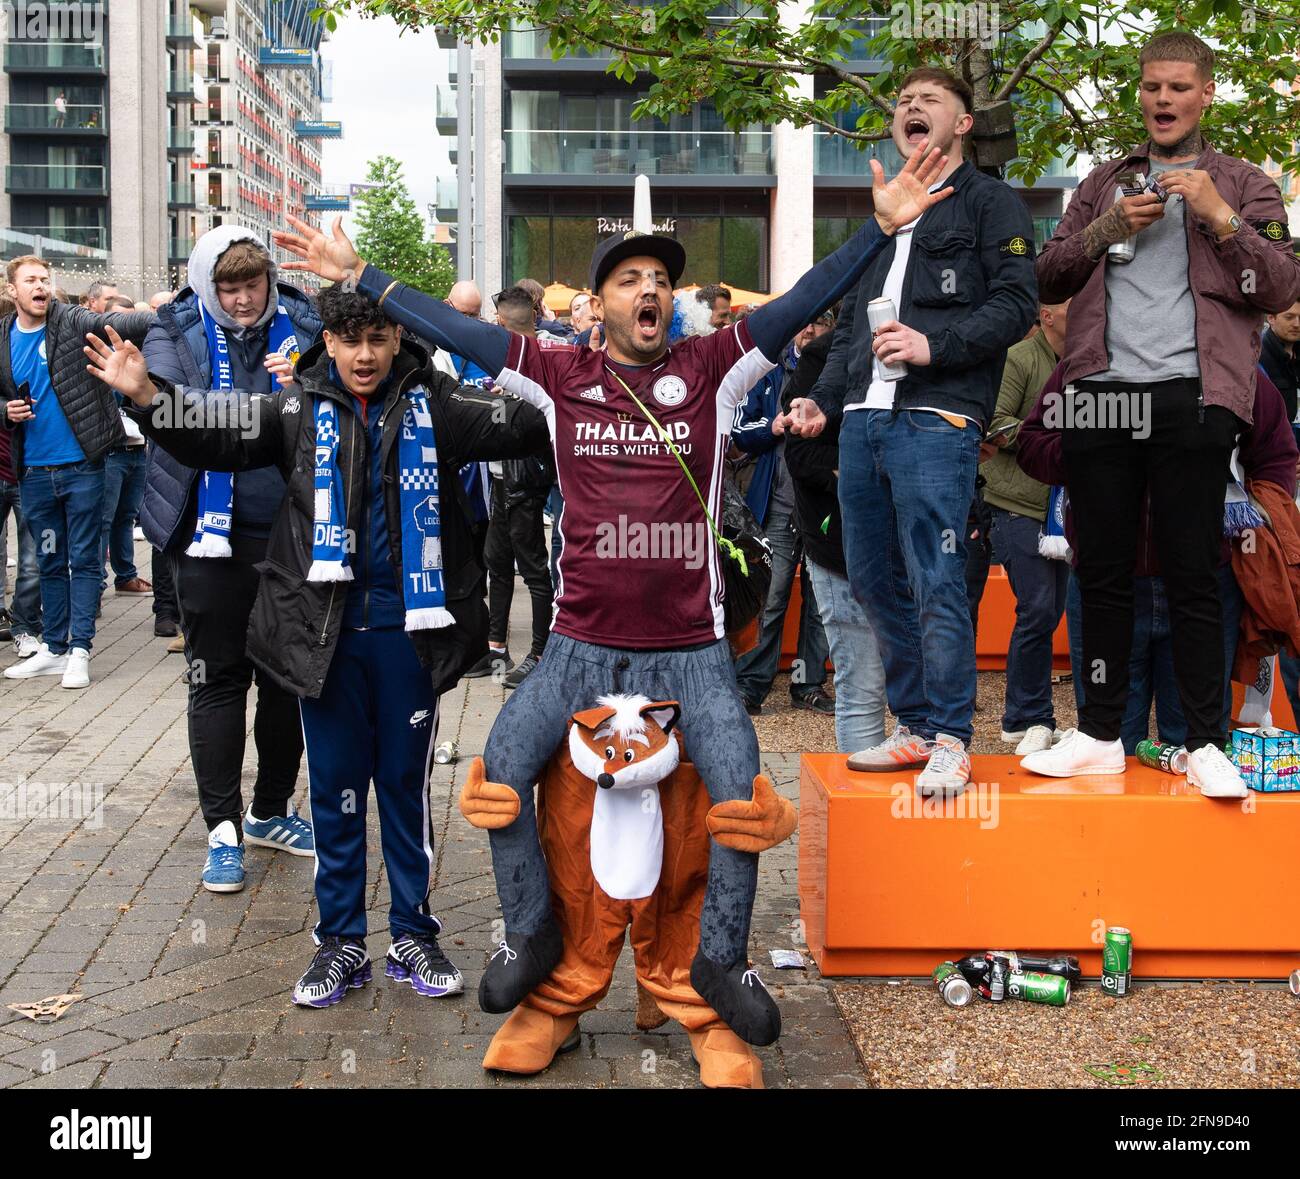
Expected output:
(445, 753)
(881, 311)
(1124, 251)
(1294, 982)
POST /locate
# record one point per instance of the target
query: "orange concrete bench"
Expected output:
(997, 620)
(1031, 863)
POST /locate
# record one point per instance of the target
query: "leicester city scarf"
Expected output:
(421, 518)
(217, 488)
(1051, 537)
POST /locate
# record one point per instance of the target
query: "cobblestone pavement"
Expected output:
(184, 988)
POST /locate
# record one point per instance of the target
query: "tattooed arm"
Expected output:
(1092, 223)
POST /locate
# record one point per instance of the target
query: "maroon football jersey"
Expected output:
(639, 566)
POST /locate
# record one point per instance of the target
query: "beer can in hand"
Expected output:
(881, 311)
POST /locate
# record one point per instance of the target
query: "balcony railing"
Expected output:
(835, 155)
(181, 193)
(33, 116)
(80, 178)
(56, 242)
(182, 83)
(180, 140)
(181, 248)
(678, 153)
(181, 28)
(53, 55)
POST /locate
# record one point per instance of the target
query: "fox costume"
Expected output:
(625, 826)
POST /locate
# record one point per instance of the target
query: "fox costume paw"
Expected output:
(753, 826)
(487, 805)
(725, 1060)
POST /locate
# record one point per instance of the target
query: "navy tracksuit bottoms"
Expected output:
(376, 720)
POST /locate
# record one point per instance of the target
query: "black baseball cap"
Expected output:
(614, 249)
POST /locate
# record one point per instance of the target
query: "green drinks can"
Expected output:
(1117, 961)
(1033, 987)
(952, 984)
(1160, 756)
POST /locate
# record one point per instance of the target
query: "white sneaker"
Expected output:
(1012, 738)
(77, 674)
(948, 770)
(1076, 753)
(42, 662)
(1210, 769)
(1036, 739)
(137, 533)
(26, 646)
(900, 750)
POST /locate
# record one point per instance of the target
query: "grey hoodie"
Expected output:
(203, 261)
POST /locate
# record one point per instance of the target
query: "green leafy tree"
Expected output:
(1070, 67)
(391, 233)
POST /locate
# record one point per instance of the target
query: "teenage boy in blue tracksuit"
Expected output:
(371, 600)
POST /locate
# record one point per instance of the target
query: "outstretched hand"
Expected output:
(908, 195)
(120, 366)
(333, 258)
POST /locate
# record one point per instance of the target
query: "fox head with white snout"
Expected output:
(626, 741)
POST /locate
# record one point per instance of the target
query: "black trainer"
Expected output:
(753, 707)
(166, 628)
(815, 701)
(520, 673)
(738, 995)
(340, 964)
(517, 966)
(494, 662)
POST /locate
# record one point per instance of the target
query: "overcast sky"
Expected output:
(384, 94)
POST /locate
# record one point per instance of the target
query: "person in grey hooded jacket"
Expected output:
(236, 331)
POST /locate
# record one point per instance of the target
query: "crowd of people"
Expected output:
(339, 491)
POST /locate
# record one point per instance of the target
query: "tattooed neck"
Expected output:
(1190, 145)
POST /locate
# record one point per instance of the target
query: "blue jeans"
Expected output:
(906, 485)
(718, 737)
(124, 476)
(25, 605)
(757, 668)
(1151, 665)
(1039, 586)
(859, 673)
(64, 507)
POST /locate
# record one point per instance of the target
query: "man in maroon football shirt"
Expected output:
(639, 605)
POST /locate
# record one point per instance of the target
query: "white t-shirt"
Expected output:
(880, 394)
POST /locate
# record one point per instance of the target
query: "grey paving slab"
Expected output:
(190, 989)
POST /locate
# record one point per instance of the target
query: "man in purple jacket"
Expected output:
(1160, 380)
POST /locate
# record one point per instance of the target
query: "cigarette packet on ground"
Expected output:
(788, 960)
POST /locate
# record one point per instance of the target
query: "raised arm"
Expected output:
(898, 203)
(334, 259)
(196, 434)
(130, 325)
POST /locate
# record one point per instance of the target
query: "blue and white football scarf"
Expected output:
(423, 592)
(1051, 537)
(217, 488)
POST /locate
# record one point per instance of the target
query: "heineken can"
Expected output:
(880, 311)
(445, 753)
(1161, 756)
(954, 988)
(1117, 961)
(1033, 987)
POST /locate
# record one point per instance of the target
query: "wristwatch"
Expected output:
(1233, 224)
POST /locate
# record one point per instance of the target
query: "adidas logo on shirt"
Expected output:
(595, 393)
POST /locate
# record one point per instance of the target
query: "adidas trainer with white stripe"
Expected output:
(290, 833)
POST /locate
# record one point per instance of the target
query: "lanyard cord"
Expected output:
(723, 543)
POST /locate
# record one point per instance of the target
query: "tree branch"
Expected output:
(1068, 106)
(1027, 62)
